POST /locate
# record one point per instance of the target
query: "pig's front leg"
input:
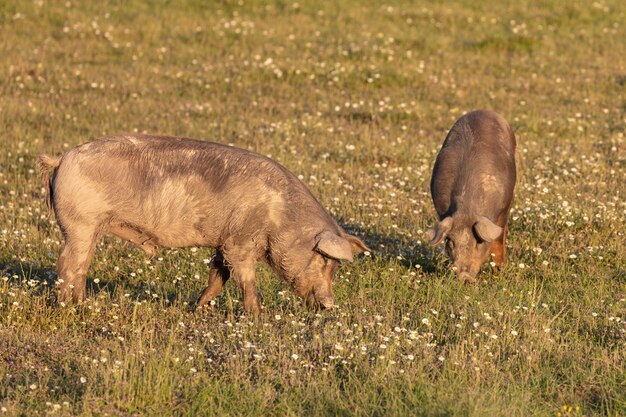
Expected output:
(499, 245)
(246, 277)
(499, 250)
(218, 276)
(242, 263)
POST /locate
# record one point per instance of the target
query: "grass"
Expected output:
(356, 97)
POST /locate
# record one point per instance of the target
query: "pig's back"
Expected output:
(156, 156)
(476, 165)
(143, 162)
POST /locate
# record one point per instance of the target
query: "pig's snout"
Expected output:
(317, 300)
(326, 302)
(465, 275)
(324, 296)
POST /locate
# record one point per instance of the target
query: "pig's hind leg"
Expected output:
(80, 243)
(218, 276)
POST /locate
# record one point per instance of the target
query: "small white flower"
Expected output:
(97, 280)
(277, 317)
(426, 321)
(410, 357)
(83, 380)
(33, 386)
(294, 357)
(441, 358)
(514, 333)
(522, 266)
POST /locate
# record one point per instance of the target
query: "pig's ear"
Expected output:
(487, 230)
(438, 233)
(357, 244)
(333, 246)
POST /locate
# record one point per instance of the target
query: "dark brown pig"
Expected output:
(175, 192)
(472, 188)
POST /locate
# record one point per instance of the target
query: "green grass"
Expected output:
(356, 97)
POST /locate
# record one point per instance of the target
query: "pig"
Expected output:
(170, 192)
(472, 189)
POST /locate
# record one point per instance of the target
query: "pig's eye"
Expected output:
(330, 263)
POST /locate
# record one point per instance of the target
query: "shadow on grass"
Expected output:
(406, 251)
(42, 283)
(31, 275)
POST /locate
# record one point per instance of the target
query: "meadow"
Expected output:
(356, 98)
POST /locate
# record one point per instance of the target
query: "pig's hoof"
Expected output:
(253, 312)
(467, 279)
(205, 305)
(252, 308)
(67, 297)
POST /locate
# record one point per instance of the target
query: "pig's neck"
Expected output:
(471, 205)
(290, 252)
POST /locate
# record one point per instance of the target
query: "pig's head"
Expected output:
(314, 282)
(468, 241)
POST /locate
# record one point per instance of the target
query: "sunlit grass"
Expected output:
(355, 98)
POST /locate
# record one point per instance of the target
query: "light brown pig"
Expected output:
(176, 192)
(472, 188)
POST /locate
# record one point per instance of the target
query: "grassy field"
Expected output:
(356, 98)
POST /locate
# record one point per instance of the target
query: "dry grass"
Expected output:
(356, 97)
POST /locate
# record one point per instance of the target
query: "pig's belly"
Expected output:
(186, 238)
(174, 223)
